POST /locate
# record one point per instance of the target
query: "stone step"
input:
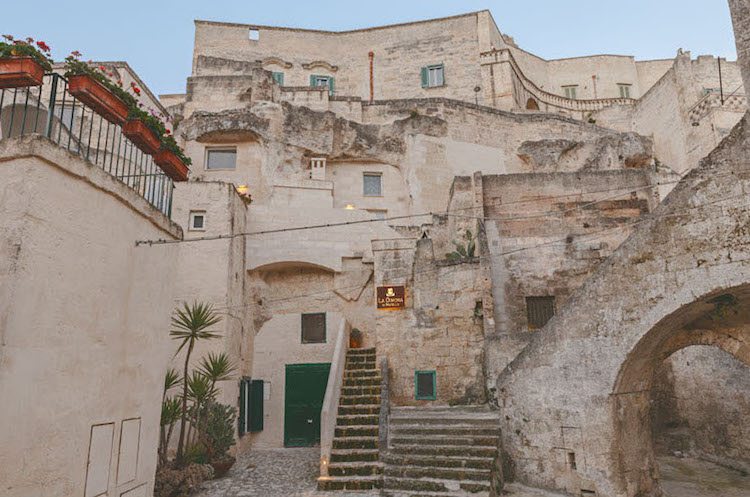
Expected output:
(360, 400)
(485, 441)
(357, 431)
(445, 450)
(363, 390)
(362, 381)
(369, 351)
(434, 485)
(351, 358)
(355, 366)
(362, 373)
(430, 460)
(354, 455)
(444, 421)
(481, 475)
(397, 493)
(430, 430)
(355, 469)
(357, 409)
(355, 443)
(349, 482)
(357, 420)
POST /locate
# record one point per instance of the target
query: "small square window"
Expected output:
(539, 310)
(571, 91)
(433, 76)
(624, 90)
(253, 34)
(314, 328)
(425, 385)
(221, 158)
(278, 77)
(197, 221)
(372, 184)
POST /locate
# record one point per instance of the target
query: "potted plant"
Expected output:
(143, 129)
(91, 86)
(355, 339)
(172, 160)
(23, 62)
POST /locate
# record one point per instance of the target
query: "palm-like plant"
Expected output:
(171, 380)
(190, 324)
(171, 410)
(216, 367)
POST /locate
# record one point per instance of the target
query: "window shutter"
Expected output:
(241, 428)
(442, 72)
(330, 85)
(313, 80)
(425, 78)
(256, 406)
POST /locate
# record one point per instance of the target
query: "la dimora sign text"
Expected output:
(391, 297)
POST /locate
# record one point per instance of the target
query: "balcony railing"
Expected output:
(50, 110)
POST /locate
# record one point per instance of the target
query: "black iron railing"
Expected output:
(50, 110)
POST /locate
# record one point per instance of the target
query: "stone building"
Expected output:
(534, 255)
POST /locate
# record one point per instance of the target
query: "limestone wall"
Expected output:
(84, 326)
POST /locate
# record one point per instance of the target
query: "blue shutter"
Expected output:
(425, 78)
(442, 70)
(330, 85)
(313, 80)
(278, 77)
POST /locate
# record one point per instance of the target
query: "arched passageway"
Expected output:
(719, 320)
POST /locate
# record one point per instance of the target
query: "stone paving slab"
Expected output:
(274, 473)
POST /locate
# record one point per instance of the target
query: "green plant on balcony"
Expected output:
(36, 49)
(465, 249)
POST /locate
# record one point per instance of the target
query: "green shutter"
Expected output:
(256, 406)
(442, 67)
(330, 85)
(425, 78)
(313, 80)
(279, 78)
(241, 428)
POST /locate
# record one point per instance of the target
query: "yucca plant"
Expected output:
(171, 411)
(190, 324)
(463, 251)
(171, 380)
(216, 367)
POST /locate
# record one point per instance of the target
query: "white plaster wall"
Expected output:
(278, 343)
(84, 322)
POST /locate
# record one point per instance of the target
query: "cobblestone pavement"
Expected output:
(274, 473)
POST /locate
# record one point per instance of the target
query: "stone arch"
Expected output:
(532, 104)
(720, 319)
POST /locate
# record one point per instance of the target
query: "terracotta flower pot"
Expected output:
(222, 466)
(19, 72)
(98, 97)
(171, 165)
(141, 136)
(355, 339)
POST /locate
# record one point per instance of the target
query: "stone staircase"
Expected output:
(443, 452)
(355, 457)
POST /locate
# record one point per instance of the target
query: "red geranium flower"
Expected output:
(43, 46)
(8, 37)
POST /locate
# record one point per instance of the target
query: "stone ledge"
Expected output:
(38, 146)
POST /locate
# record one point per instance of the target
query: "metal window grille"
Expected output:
(314, 327)
(539, 310)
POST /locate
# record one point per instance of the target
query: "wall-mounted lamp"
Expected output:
(350, 207)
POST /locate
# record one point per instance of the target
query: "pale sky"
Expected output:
(156, 37)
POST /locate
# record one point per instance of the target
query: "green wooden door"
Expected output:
(305, 389)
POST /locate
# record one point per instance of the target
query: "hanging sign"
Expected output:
(391, 297)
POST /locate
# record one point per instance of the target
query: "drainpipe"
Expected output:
(371, 55)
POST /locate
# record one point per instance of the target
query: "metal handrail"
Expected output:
(50, 110)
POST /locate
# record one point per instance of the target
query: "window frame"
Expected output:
(227, 148)
(302, 328)
(627, 87)
(372, 174)
(431, 372)
(426, 75)
(191, 220)
(570, 91)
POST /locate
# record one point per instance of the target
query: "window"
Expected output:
(377, 214)
(314, 328)
(221, 158)
(571, 91)
(624, 90)
(372, 184)
(433, 76)
(539, 310)
(197, 221)
(425, 385)
(278, 77)
(326, 81)
(253, 34)
(318, 168)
